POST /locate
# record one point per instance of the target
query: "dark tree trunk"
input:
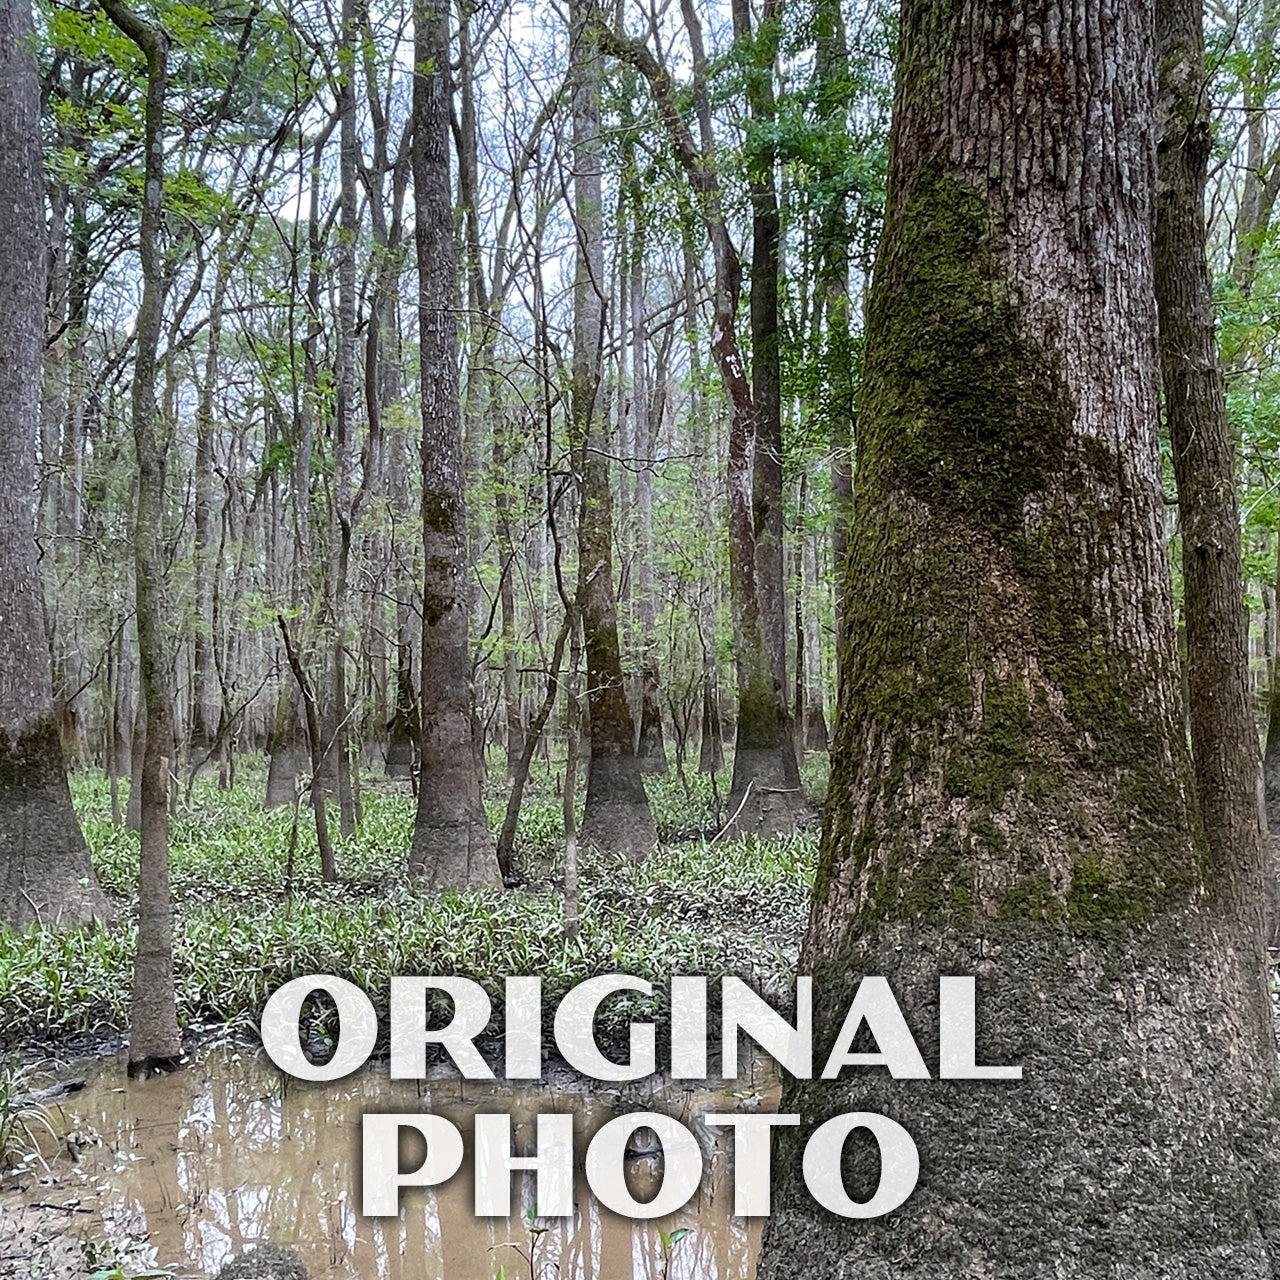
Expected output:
(617, 816)
(1271, 751)
(403, 730)
(45, 874)
(153, 1026)
(1011, 792)
(651, 749)
(507, 600)
(452, 844)
(319, 811)
(711, 748)
(1224, 740)
(815, 718)
(765, 796)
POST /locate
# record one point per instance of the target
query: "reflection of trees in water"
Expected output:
(229, 1155)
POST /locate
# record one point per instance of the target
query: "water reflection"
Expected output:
(231, 1153)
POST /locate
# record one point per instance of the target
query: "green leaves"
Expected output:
(691, 907)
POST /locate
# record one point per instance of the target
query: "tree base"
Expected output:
(145, 1068)
(46, 876)
(454, 853)
(766, 800)
(400, 756)
(617, 818)
(288, 762)
(1140, 1144)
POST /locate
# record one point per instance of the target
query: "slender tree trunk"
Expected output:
(153, 1025)
(452, 844)
(1271, 753)
(831, 70)
(617, 816)
(1011, 792)
(316, 788)
(1261, 186)
(404, 731)
(203, 714)
(766, 798)
(645, 415)
(45, 873)
(1224, 740)
(816, 738)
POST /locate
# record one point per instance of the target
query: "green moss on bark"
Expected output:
(986, 702)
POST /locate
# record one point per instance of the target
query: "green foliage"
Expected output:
(694, 907)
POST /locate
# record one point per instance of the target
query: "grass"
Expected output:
(692, 907)
(21, 1119)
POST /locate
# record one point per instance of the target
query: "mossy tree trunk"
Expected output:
(452, 844)
(616, 817)
(45, 872)
(1011, 794)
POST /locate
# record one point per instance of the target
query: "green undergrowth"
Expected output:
(241, 929)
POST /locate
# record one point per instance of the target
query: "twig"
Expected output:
(736, 812)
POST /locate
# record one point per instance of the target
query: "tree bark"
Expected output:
(45, 873)
(1224, 740)
(154, 1041)
(452, 844)
(1011, 792)
(617, 817)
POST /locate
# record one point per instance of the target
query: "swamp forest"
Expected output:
(775, 490)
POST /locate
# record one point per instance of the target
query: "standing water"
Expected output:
(213, 1160)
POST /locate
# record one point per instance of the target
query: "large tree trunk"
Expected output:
(617, 816)
(1011, 792)
(153, 1024)
(45, 873)
(452, 844)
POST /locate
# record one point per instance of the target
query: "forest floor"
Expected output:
(244, 925)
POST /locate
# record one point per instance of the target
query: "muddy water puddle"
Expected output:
(230, 1153)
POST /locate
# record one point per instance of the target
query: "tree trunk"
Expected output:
(1224, 740)
(617, 817)
(286, 750)
(203, 712)
(1011, 792)
(153, 1026)
(452, 845)
(45, 874)
(766, 798)
(815, 717)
